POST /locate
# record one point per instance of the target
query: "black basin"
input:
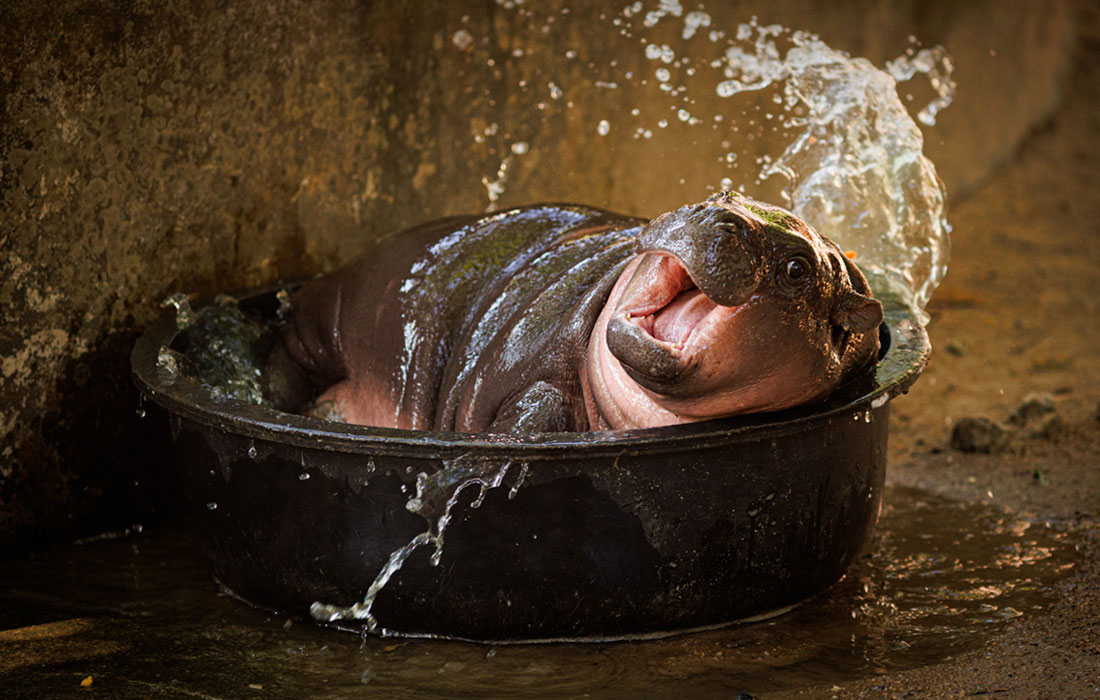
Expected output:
(607, 535)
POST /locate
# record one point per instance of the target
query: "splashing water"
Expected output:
(224, 347)
(434, 500)
(834, 131)
(855, 168)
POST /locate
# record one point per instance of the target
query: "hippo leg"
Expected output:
(541, 408)
(286, 385)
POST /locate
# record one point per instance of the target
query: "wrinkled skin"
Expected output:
(561, 317)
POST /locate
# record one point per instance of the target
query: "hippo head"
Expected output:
(730, 306)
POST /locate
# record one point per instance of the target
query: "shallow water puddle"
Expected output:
(143, 618)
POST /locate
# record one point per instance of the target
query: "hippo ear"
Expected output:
(858, 313)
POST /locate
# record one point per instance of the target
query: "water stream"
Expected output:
(434, 500)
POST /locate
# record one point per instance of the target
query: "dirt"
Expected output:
(1016, 315)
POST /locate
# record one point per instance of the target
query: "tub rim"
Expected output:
(895, 372)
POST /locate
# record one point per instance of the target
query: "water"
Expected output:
(435, 498)
(141, 615)
(825, 133)
(222, 347)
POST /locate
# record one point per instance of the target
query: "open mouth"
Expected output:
(661, 324)
(674, 306)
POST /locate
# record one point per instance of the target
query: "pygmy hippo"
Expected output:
(569, 318)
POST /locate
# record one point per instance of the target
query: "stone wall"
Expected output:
(148, 148)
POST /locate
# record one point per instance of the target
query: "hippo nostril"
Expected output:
(839, 335)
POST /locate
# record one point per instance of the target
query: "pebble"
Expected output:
(1033, 407)
(1036, 417)
(981, 434)
(958, 348)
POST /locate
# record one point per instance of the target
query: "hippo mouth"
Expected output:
(661, 325)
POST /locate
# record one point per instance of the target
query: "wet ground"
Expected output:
(1016, 315)
(984, 579)
(141, 617)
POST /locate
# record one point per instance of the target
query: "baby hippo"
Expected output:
(569, 318)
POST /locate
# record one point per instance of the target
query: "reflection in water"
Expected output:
(141, 615)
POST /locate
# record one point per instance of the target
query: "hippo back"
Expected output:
(453, 321)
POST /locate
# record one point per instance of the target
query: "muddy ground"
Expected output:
(1019, 313)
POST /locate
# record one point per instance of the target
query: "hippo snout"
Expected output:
(721, 250)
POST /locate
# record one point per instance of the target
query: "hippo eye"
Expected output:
(796, 269)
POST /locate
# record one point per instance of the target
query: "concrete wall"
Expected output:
(148, 148)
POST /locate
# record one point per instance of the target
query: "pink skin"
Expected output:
(761, 355)
(344, 400)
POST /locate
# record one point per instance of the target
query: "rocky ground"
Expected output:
(1018, 315)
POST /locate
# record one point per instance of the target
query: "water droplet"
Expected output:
(731, 157)
(285, 306)
(168, 361)
(519, 481)
(684, 115)
(663, 75)
(462, 39)
(693, 21)
(480, 497)
(520, 147)
(662, 124)
(728, 88)
(726, 184)
(303, 476)
(140, 412)
(212, 505)
(252, 452)
(603, 128)
(185, 317)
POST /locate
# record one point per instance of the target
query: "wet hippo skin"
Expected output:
(565, 317)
